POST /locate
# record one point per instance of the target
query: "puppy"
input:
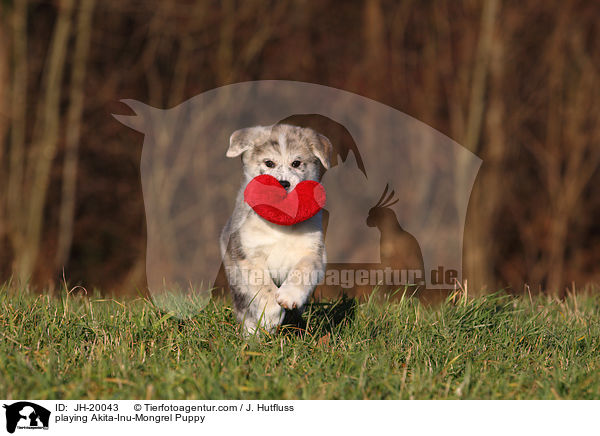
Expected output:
(272, 267)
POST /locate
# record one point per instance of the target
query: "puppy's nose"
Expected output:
(284, 183)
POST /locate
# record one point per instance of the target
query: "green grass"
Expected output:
(492, 347)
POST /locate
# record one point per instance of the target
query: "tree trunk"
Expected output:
(44, 146)
(67, 207)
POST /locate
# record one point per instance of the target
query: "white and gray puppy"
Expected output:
(272, 267)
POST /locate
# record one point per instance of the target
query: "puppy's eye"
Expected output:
(269, 163)
(296, 163)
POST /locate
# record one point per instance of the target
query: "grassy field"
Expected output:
(493, 347)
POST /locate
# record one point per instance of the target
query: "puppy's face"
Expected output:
(290, 154)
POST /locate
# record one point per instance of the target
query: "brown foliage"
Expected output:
(518, 83)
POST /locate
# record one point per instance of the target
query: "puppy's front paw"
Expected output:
(290, 297)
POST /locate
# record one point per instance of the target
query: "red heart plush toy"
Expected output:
(270, 200)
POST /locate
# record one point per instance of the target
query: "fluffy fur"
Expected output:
(271, 267)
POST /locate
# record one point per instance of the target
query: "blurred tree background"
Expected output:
(516, 82)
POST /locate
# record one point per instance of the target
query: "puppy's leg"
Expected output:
(263, 312)
(253, 295)
(301, 282)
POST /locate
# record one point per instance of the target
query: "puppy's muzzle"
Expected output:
(285, 184)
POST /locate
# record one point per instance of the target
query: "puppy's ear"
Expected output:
(322, 148)
(244, 139)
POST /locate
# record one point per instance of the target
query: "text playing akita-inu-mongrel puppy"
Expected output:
(273, 267)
